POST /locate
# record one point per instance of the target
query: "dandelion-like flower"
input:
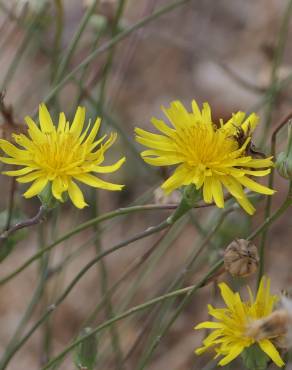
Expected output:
(233, 328)
(60, 156)
(208, 156)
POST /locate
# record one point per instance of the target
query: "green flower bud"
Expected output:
(85, 356)
(284, 160)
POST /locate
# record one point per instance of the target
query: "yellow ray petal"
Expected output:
(268, 347)
(97, 183)
(76, 195)
(36, 187)
(12, 151)
(30, 177)
(112, 168)
(207, 190)
(21, 172)
(93, 132)
(234, 351)
(209, 325)
(175, 180)
(62, 122)
(246, 205)
(162, 127)
(45, 119)
(217, 192)
(254, 186)
(58, 188)
(78, 122)
(227, 295)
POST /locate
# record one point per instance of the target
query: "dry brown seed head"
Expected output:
(241, 258)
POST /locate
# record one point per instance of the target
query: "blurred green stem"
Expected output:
(188, 291)
(85, 225)
(109, 61)
(138, 308)
(108, 45)
(268, 220)
(278, 55)
(58, 36)
(109, 311)
(52, 308)
(75, 39)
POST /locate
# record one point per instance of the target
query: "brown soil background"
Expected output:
(192, 52)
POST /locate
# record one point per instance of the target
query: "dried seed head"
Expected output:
(241, 258)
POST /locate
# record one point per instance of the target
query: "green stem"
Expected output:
(21, 50)
(155, 337)
(189, 291)
(51, 308)
(108, 45)
(109, 311)
(58, 36)
(85, 225)
(110, 58)
(275, 66)
(71, 48)
(264, 229)
(138, 308)
(187, 298)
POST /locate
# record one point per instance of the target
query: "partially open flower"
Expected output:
(231, 330)
(241, 258)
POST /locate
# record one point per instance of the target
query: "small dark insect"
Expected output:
(241, 137)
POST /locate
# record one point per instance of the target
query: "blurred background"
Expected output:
(234, 54)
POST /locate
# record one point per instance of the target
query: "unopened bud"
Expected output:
(241, 258)
(284, 160)
(284, 165)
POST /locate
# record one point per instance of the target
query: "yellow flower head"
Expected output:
(60, 155)
(232, 328)
(207, 156)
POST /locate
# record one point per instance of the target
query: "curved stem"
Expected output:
(138, 308)
(85, 225)
(51, 308)
(108, 45)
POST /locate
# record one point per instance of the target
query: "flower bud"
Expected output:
(284, 160)
(241, 258)
(284, 165)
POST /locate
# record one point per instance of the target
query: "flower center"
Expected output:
(201, 145)
(59, 153)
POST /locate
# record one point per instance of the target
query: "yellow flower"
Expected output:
(60, 155)
(207, 155)
(232, 328)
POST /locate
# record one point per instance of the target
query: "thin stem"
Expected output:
(85, 225)
(187, 298)
(71, 48)
(39, 217)
(189, 291)
(109, 311)
(276, 64)
(174, 285)
(58, 36)
(110, 58)
(264, 228)
(10, 203)
(108, 45)
(51, 308)
(138, 308)
(157, 317)
(21, 50)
